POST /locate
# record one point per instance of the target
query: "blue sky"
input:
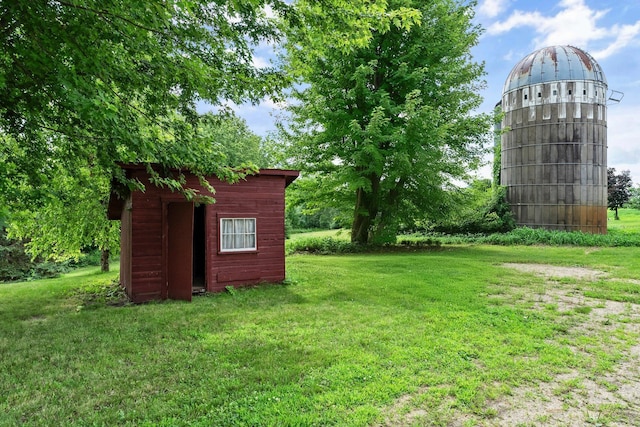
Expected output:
(608, 29)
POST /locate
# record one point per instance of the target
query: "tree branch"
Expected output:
(104, 12)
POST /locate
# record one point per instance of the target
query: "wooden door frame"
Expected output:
(166, 201)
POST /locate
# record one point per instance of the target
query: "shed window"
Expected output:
(237, 234)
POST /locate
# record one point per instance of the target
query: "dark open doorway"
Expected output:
(199, 248)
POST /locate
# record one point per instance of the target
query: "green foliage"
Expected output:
(305, 208)
(65, 215)
(481, 208)
(539, 236)
(16, 264)
(622, 233)
(324, 218)
(231, 137)
(343, 26)
(497, 145)
(618, 189)
(634, 199)
(384, 127)
(103, 74)
(312, 243)
(496, 167)
(342, 234)
(85, 85)
(322, 246)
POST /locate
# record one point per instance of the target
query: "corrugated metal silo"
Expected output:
(554, 149)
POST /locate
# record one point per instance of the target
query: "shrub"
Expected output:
(538, 236)
(16, 264)
(634, 200)
(321, 245)
(491, 216)
(329, 245)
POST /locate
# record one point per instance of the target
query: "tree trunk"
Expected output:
(104, 260)
(386, 227)
(616, 217)
(365, 211)
(361, 222)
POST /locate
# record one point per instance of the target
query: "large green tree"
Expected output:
(388, 125)
(232, 137)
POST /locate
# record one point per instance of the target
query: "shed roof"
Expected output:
(117, 197)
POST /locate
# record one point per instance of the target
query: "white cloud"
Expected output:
(269, 12)
(260, 62)
(275, 105)
(509, 56)
(575, 23)
(517, 19)
(492, 8)
(626, 35)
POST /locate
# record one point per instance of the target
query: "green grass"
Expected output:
(629, 221)
(338, 345)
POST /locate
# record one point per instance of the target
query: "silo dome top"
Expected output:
(552, 64)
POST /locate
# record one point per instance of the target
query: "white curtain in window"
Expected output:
(250, 241)
(238, 233)
(227, 234)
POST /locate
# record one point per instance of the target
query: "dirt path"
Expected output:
(577, 397)
(574, 398)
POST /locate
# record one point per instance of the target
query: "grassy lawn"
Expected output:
(370, 339)
(629, 221)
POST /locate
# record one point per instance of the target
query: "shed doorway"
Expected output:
(199, 249)
(185, 249)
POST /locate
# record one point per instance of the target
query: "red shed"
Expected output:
(171, 247)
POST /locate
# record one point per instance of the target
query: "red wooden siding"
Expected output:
(125, 246)
(144, 232)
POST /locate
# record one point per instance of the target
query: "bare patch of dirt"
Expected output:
(576, 397)
(558, 271)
